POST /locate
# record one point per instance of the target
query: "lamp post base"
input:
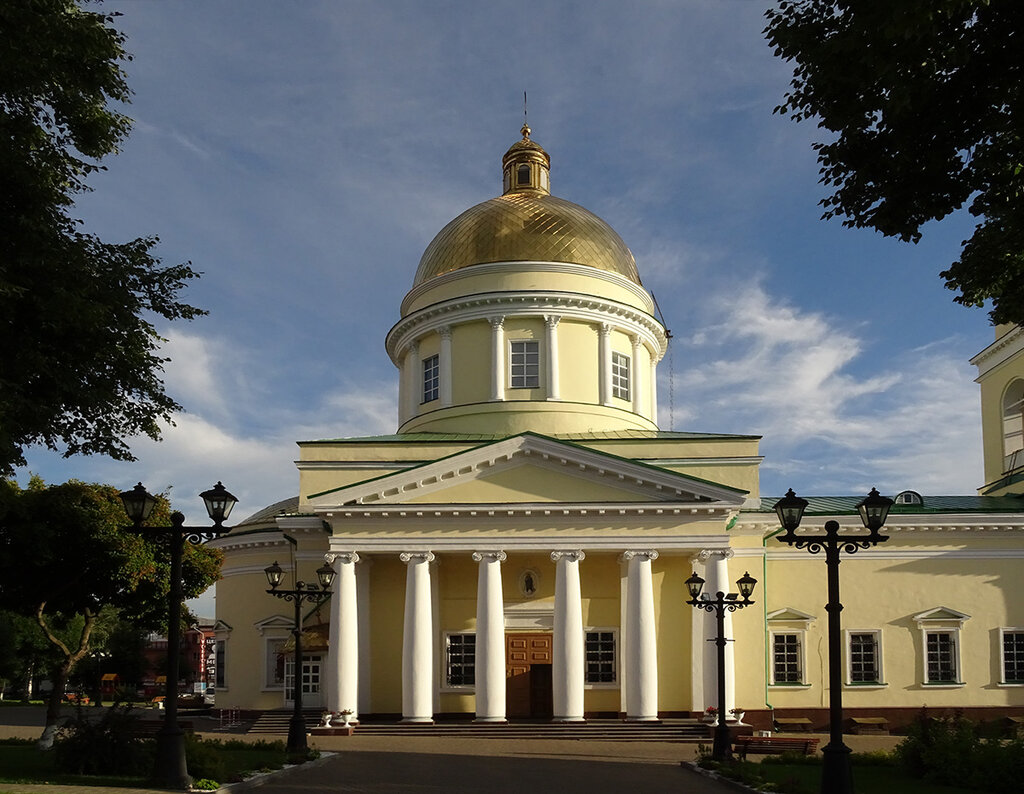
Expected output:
(297, 736)
(170, 769)
(836, 770)
(721, 749)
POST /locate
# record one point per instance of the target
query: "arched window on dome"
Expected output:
(1013, 425)
(523, 175)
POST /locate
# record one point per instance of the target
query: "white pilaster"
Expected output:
(498, 363)
(551, 339)
(417, 640)
(444, 363)
(413, 394)
(567, 651)
(634, 376)
(654, 389)
(604, 366)
(641, 638)
(716, 580)
(343, 653)
(490, 638)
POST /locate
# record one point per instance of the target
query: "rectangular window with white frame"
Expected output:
(940, 644)
(1012, 645)
(460, 660)
(941, 657)
(787, 658)
(431, 378)
(620, 376)
(863, 657)
(274, 662)
(600, 657)
(524, 364)
(220, 663)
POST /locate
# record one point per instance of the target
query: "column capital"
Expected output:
(416, 556)
(571, 556)
(551, 320)
(414, 346)
(604, 329)
(637, 341)
(445, 331)
(343, 556)
(489, 556)
(497, 321)
(644, 554)
(706, 554)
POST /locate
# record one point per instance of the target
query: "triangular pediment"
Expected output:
(941, 615)
(274, 622)
(532, 469)
(789, 615)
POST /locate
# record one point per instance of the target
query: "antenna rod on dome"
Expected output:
(525, 119)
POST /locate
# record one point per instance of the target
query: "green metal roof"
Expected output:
(842, 505)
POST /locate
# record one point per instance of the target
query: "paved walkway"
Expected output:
(436, 765)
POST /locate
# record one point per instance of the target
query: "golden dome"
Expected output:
(527, 223)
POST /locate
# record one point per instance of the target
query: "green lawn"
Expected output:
(806, 779)
(21, 762)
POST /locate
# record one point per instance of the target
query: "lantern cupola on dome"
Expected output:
(527, 313)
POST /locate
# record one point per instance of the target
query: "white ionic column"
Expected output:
(641, 639)
(498, 364)
(414, 381)
(654, 389)
(567, 656)
(417, 640)
(634, 376)
(716, 579)
(444, 365)
(490, 638)
(363, 619)
(551, 339)
(604, 363)
(343, 653)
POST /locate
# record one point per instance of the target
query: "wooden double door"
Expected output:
(528, 691)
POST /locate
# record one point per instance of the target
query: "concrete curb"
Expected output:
(261, 777)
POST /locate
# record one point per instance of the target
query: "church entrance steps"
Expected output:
(603, 730)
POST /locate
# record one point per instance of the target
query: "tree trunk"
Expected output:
(60, 675)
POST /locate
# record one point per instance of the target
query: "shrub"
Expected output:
(105, 746)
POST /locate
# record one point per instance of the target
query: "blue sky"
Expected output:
(302, 156)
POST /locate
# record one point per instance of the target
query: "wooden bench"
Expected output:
(866, 725)
(773, 745)
(148, 729)
(793, 723)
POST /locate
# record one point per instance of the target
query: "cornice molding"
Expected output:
(1004, 348)
(529, 266)
(518, 303)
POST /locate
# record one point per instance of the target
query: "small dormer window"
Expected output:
(523, 175)
(909, 498)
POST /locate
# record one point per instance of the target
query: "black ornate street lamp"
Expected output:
(170, 769)
(315, 594)
(836, 770)
(720, 604)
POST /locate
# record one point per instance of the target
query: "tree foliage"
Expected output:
(926, 102)
(67, 556)
(80, 365)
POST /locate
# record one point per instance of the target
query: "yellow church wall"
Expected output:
(578, 362)
(242, 602)
(519, 415)
(880, 593)
(387, 610)
(471, 382)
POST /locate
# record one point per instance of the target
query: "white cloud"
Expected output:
(830, 422)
